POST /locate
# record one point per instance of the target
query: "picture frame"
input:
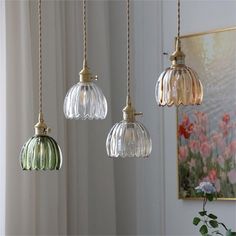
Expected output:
(206, 134)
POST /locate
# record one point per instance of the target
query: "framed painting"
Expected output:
(206, 134)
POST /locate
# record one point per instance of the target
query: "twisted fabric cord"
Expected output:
(40, 56)
(85, 32)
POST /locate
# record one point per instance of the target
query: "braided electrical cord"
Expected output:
(40, 56)
(85, 32)
(128, 50)
(178, 22)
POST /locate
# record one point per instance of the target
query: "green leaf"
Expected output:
(213, 223)
(202, 213)
(212, 216)
(203, 230)
(196, 220)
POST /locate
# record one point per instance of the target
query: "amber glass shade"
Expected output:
(128, 139)
(41, 152)
(178, 85)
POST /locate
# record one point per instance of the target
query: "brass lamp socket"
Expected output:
(41, 127)
(129, 112)
(178, 57)
(85, 76)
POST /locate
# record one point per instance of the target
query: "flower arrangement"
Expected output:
(210, 225)
(207, 153)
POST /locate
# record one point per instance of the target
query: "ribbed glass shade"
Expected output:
(41, 152)
(179, 85)
(85, 100)
(128, 139)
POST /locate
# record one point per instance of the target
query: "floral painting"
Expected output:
(207, 133)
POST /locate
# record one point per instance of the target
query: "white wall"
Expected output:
(197, 16)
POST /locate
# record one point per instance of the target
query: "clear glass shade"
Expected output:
(85, 100)
(41, 152)
(179, 85)
(128, 139)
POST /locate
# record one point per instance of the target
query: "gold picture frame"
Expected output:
(206, 134)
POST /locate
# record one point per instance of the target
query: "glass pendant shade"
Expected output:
(41, 152)
(85, 100)
(178, 84)
(128, 139)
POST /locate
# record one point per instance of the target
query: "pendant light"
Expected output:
(178, 84)
(85, 100)
(128, 138)
(41, 152)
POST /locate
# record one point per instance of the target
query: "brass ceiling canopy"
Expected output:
(178, 84)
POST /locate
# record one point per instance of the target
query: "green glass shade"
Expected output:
(41, 152)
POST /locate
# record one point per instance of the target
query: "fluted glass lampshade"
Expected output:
(178, 84)
(128, 138)
(85, 100)
(41, 152)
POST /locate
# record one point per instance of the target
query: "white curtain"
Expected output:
(78, 199)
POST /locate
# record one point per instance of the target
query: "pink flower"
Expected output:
(194, 146)
(227, 153)
(223, 176)
(217, 185)
(205, 149)
(221, 145)
(221, 161)
(232, 176)
(183, 153)
(192, 164)
(222, 125)
(201, 117)
(203, 138)
(217, 137)
(212, 175)
(232, 147)
(197, 129)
